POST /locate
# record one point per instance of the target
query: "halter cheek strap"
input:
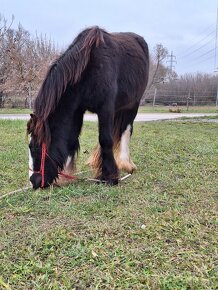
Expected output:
(42, 166)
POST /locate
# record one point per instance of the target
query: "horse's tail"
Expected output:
(67, 69)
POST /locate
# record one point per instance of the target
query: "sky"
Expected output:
(186, 28)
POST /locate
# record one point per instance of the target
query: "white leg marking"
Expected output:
(122, 155)
(30, 164)
(68, 164)
(68, 169)
(124, 144)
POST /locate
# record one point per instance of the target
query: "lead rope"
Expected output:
(42, 166)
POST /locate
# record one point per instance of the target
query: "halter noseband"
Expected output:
(42, 166)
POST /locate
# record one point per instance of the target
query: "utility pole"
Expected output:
(154, 98)
(172, 59)
(30, 96)
(217, 97)
(215, 57)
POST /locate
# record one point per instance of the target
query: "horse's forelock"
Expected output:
(39, 129)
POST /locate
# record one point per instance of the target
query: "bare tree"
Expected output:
(4, 27)
(23, 62)
(157, 70)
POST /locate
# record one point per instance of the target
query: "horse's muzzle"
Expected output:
(36, 180)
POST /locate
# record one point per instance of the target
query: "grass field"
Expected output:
(165, 109)
(156, 230)
(15, 111)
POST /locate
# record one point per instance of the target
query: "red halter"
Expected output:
(42, 166)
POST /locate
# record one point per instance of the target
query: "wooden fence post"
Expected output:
(154, 99)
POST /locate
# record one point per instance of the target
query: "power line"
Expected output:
(197, 49)
(198, 60)
(199, 41)
(206, 59)
(193, 55)
(200, 56)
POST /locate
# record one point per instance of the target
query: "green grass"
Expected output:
(15, 111)
(165, 109)
(202, 118)
(88, 236)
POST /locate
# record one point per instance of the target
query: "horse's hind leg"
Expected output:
(122, 131)
(106, 166)
(123, 127)
(94, 159)
(122, 152)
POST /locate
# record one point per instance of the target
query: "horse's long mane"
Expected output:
(67, 69)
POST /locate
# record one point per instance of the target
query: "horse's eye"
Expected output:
(34, 148)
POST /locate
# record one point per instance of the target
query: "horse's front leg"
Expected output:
(108, 170)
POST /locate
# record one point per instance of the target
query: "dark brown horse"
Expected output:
(101, 72)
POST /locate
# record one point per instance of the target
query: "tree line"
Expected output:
(167, 87)
(24, 60)
(23, 63)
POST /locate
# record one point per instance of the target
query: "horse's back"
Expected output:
(118, 69)
(127, 54)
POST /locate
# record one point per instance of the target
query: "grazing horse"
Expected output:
(105, 73)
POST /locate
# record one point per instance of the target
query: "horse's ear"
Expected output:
(33, 116)
(31, 123)
(29, 127)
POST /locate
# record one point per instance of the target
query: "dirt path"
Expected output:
(145, 117)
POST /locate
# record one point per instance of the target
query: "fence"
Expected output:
(181, 98)
(18, 101)
(152, 97)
